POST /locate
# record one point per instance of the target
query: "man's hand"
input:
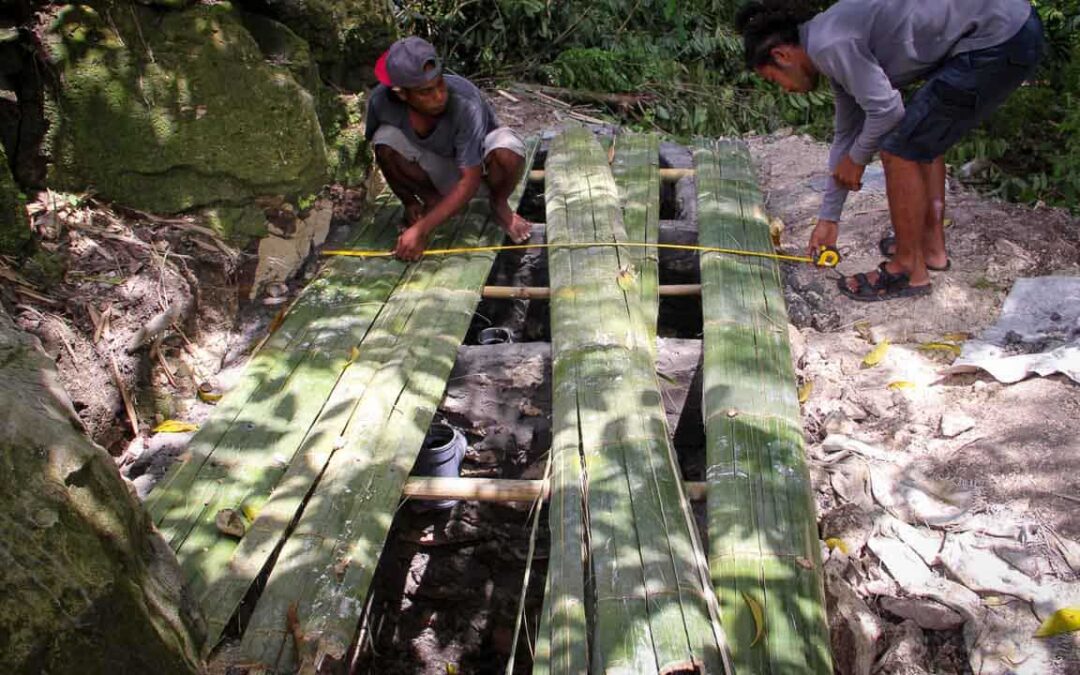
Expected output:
(849, 174)
(410, 244)
(824, 234)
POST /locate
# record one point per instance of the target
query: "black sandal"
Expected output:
(888, 286)
(887, 246)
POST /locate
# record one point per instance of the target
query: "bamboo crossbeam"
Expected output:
(764, 552)
(544, 293)
(666, 175)
(615, 494)
(500, 490)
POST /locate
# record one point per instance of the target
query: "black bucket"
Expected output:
(440, 457)
(496, 335)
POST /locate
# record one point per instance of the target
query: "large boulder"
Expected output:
(88, 585)
(346, 36)
(341, 114)
(14, 227)
(170, 110)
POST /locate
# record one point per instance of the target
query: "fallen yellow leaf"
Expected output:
(862, 329)
(836, 543)
(175, 427)
(626, 278)
(876, 354)
(208, 395)
(1064, 620)
(955, 337)
(940, 347)
(759, 617)
(250, 512)
(896, 385)
(804, 391)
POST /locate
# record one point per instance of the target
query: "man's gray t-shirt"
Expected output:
(870, 48)
(460, 131)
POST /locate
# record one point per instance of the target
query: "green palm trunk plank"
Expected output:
(762, 528)
(649, 605)
(636, 168)
(393, 389)
(238, 455)
(240, 564)
(172, 503)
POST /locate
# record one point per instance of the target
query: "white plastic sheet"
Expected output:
(1038, 332)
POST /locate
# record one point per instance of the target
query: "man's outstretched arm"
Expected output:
(411, 242)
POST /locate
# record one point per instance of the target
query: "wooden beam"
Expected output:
(499, 490)
(764, 552)
(544, 293)
(666, 175)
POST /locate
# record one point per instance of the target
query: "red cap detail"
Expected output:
(380, 69)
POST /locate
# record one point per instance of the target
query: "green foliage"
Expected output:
(687, 61)
(683, 56)
(1033, 142)
(620, 70)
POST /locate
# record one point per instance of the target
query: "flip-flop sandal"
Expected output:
(888, 286)
(887, 246)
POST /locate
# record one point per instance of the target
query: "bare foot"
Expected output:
(516, 227)
(413, 213)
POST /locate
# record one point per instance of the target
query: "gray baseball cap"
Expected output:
(403, 64)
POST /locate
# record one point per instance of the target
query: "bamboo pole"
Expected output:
(764, 552)
(666, 175)
(500, 490)
(544, 293)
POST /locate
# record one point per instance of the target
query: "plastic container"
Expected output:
(496, 335)
(440, 457)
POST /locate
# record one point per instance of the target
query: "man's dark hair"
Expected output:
(766, 24)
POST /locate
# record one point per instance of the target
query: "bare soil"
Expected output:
(1023, 453)
(1016, 458)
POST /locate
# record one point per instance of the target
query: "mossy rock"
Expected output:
(14, 227)
(237, 223)
(348, 154)
(89, 586)
(341, 115)
(346, 36)
(166, 111)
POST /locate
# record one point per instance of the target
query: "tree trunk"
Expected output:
(87, 585)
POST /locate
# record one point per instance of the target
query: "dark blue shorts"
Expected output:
(963, 92)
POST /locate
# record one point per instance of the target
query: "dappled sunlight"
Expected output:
(764, 550)
(645, 594)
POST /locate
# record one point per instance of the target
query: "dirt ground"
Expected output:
(1010, 454)
(1023, 451)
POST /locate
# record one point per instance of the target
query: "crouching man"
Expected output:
(439, 144)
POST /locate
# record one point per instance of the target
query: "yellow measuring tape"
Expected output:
(826, 257)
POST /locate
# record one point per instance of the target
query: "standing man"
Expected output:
(438, 143)
(970, 54)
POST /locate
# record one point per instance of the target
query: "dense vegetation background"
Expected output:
(687, 60)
